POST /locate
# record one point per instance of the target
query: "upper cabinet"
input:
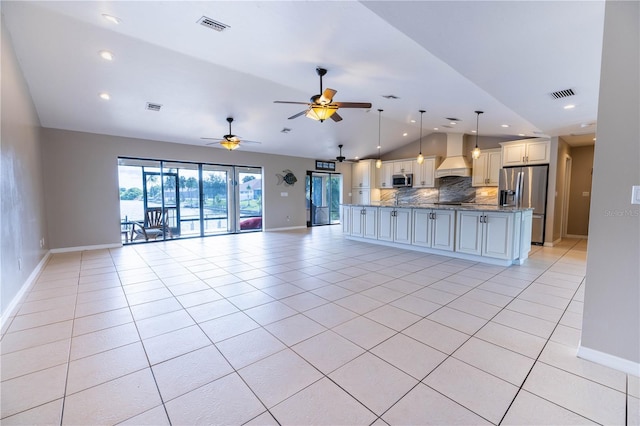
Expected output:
(363, 174)
(402, 167)
(526, 152)
(385, 174)
(486, 169)
(424, 175)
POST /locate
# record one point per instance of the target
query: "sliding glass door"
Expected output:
(323, 198)
(162, 200)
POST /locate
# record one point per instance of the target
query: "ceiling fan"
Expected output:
(341, 158)
(322, 106)
(229, 141)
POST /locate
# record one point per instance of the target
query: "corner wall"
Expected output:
(611, 321)
(22, 215)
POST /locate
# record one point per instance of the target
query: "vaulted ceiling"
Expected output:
(449, 58)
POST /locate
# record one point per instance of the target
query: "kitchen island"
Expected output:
(482, 233)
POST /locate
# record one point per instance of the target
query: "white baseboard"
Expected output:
(552, 243)
(582, 237)
(83, 248)
(609, 360)
(9, 311)
(290, 228)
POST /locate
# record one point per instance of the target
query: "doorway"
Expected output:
(323, 198)
(566, 193)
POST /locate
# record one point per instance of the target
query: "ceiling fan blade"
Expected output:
(244, 141)
(291, 102)
(298, 114)
(353, 104)
(327, 96)
(336, 117)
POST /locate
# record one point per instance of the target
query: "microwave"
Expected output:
(402, 181)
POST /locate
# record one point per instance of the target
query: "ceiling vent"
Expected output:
(153, 107)
(562, 94)
(213, 24)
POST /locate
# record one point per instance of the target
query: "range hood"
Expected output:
(456, 163)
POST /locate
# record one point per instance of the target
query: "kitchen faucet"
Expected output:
(397, 195)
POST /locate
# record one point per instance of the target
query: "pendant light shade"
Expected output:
(379, 161)
(420, 158)
(475, 154)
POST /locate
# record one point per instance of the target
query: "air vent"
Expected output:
(153, 107)
(213, 24)
(390, 97)
(562, 94)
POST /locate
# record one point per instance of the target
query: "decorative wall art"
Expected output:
(289, 179)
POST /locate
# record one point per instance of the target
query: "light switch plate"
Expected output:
(635, 194)
(585, 193)
(284, 194)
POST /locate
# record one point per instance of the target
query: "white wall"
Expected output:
(22, 218)
(611, 323)
(82, 191)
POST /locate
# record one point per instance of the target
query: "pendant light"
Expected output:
(475, 154)
(420, 158)
(379, 161)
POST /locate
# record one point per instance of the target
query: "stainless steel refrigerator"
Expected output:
(526, 187)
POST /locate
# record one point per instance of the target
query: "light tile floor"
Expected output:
(305, 327)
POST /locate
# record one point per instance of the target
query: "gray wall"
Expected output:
(581, 170)
(22, 218)
(82, 192)
(611, 322)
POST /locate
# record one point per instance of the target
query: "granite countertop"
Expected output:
(463, 206)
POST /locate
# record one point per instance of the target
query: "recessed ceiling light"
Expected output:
(111, 18)
(435, 128)
(106, 55)
(378, 147)
(570, 106)
(405, 134)
(413, 121)
(504, 125)
(520, 134)
(105, 96)
(473, 131)
(453, 123)
(357, 158)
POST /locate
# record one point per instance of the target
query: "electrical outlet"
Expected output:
(635, 194)
(288, 218)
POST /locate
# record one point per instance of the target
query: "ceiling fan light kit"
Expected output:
(321, 106)
(230, 141)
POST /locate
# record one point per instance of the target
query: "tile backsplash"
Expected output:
(449, 189)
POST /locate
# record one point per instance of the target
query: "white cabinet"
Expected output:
(488, 234)
(434, 228)
(364, 222)
(361, 174)
(394, 224)
(401, 167)
(525, 152)
(363, 181)
(345, 219)
(424, 175)
(361, 196)
(384, 175)
(486, 169)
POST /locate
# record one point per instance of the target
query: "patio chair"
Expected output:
(153, 227)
